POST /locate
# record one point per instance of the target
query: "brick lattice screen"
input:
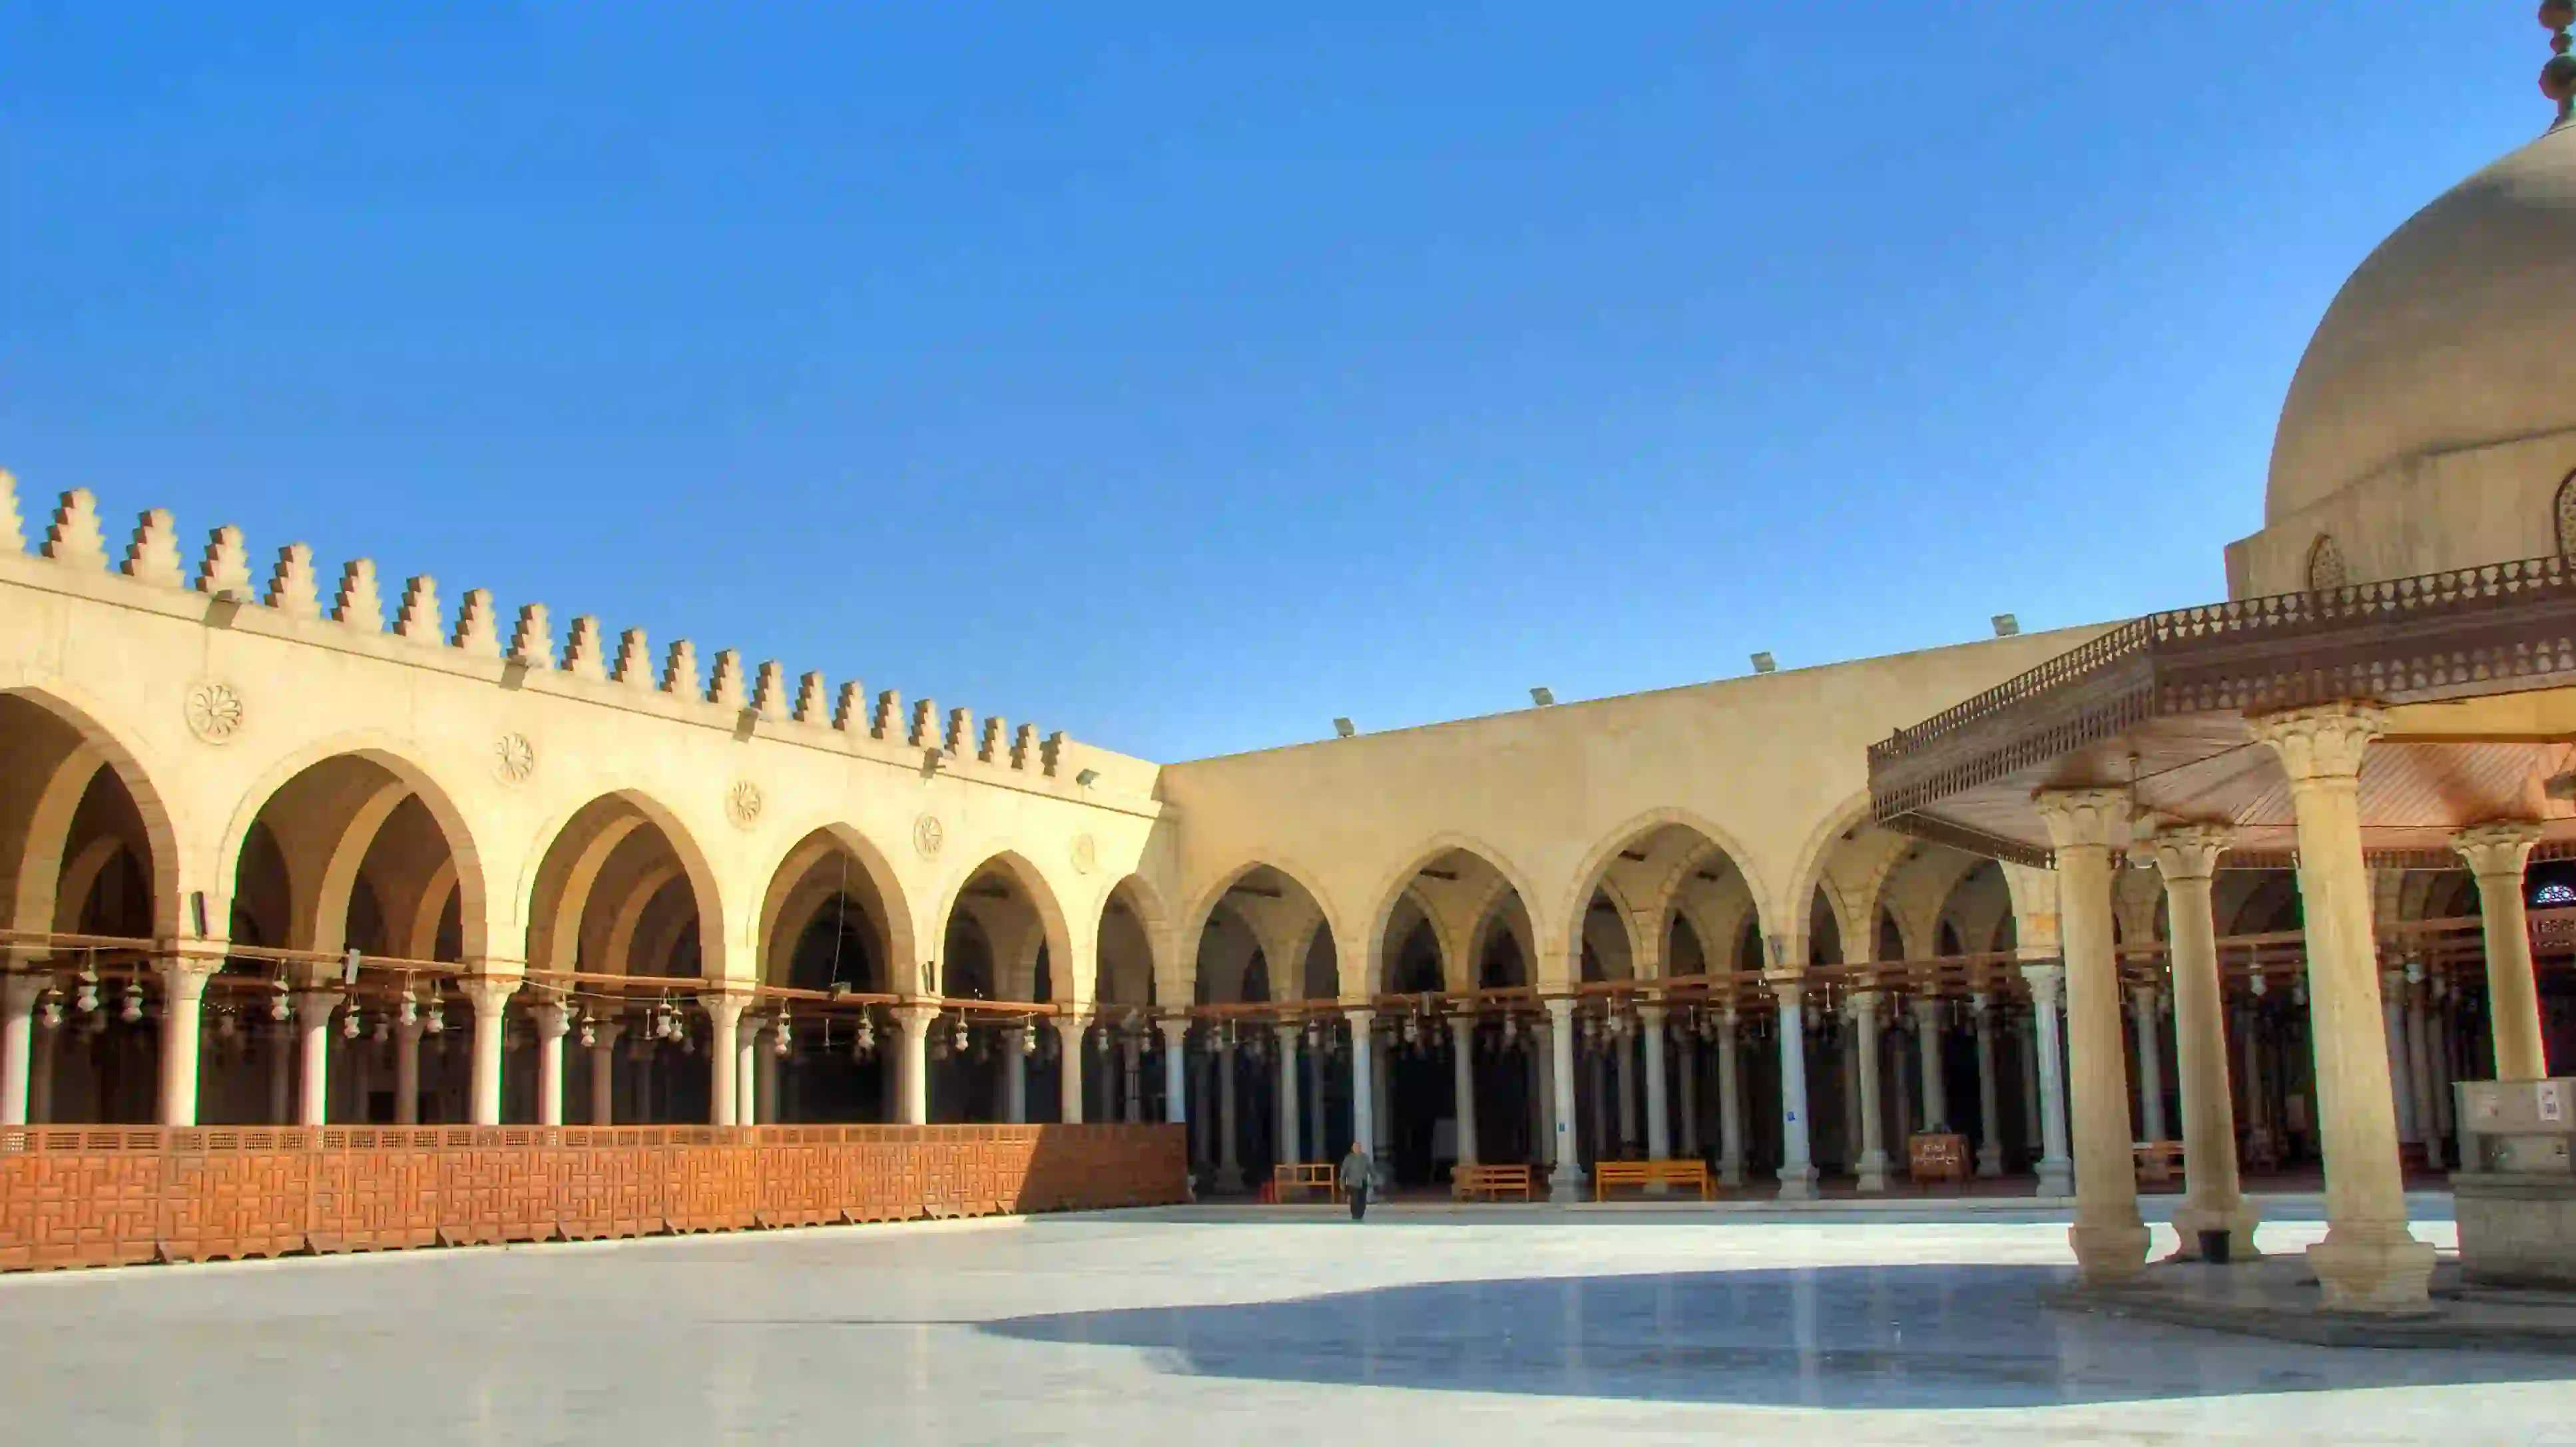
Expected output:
(114, 1195)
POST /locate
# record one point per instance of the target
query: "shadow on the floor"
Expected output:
(1941, 1336)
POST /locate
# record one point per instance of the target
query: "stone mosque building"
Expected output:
(288, 841)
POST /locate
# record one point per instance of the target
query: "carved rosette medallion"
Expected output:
(513, 758)
(928, 834)
(742, 806)
(215, 712)
(1086, 854)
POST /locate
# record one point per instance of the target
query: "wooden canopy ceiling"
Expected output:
(2478, 668)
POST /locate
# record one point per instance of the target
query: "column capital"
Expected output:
(18, 993)
(314, 1007)
(1359, 1016)
(1461, 1026)
(1927, 1009)
(604, 1033)
(185, 976)
(2189, 851)
(2081, 818)
(487, 993)
(1176, 1033)
(2498, 848)
(2047, 983)
(1788, 987)
(1561, 1010)
(2321, 743)
(553, 1019)
(725, 1007)
(1651, 1012)
(1980, 1004)
(1287, 1033)
(1862, 1004)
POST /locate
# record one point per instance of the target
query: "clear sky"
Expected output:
(1181, 376)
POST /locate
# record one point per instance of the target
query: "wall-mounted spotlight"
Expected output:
(1087, 778)
(1342, 727)
(2006, 625)
(1542, 696)
(1765, 663)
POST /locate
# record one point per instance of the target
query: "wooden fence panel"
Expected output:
(119, 1195)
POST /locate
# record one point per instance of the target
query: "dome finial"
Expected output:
(2558, 77)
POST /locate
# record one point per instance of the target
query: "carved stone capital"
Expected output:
(2189, 851)
(2323, 743)
(1861, 1006)
(2047, 983)
(725, 1007)
(489, 994)
(2497, 849)
(553, 1020)
(314, 1007)
(2081, 818)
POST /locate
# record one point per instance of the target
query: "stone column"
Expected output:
(1659, 1111)
(1229, 1165)
(1686, 1076)
(1990, 1115)
(1068, 1035)
(2056, 1168)
(1797, 1169)
(1291, 1147)
(771, 1106)
(2496, 854)
(183, 994)
(1131, 1063)
(1730, 1102)
(2187, 855)
(407, 1072)
(724, 1071)
(1380, 1064)
(912, 1064)
(18, 995)
(1623, 1066)
(2249, 1068)
(280, 1036)
(1542, 1078)
(40, 1076)
(1871, 1168)
(746, 1069)
(553, 1021)
(1936, 1082)
(2026, 1044)
(1015, 1074)
(2419, 1067)
(2151, 1065)
(1176, 1070)
(490, 997)
(1565, 1183)
(1462, 1081)
(2090, 829)
(1317, 1123)
(2368, 1260)
(2392, 1010)
(603, 1071)
(1362, 1023)
(1847, 1045)
(1603, 1149)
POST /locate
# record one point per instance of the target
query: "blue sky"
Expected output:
(1183, 377)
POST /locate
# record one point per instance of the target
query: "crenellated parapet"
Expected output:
(528, 644)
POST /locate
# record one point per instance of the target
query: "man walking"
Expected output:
(1358, 1173)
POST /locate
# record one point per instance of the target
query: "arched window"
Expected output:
(2565, 511)
(2552, 895)
(2325, 566)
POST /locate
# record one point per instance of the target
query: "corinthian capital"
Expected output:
(2498, 848)
(2323, 742)
(2189, 851)
(2077, 818)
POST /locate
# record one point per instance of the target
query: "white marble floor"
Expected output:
(1214, 1326)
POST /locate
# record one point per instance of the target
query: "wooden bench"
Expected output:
(1615, 1175)
(1287, 1177)
(2158, 1161)
(1492, 1183)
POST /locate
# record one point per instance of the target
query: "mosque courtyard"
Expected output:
(1225, 1324)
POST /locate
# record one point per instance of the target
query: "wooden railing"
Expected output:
(114, 1195)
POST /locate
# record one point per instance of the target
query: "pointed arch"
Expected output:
(1371, 961)
(1031, 881)
(562, 876)
(28, 833)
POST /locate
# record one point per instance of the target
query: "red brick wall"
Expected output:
(104, 1195)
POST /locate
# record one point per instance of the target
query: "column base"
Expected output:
(1730, 1174)
(1565, 1183)
(1229, 1180)
(1871, 1173)
(2056, 1177)
(1797, 1183)
(2238, 1221)
(2373, 1273)
(2109, 1253)
(1990, 1159)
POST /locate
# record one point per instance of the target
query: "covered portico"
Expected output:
(2411, 724)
